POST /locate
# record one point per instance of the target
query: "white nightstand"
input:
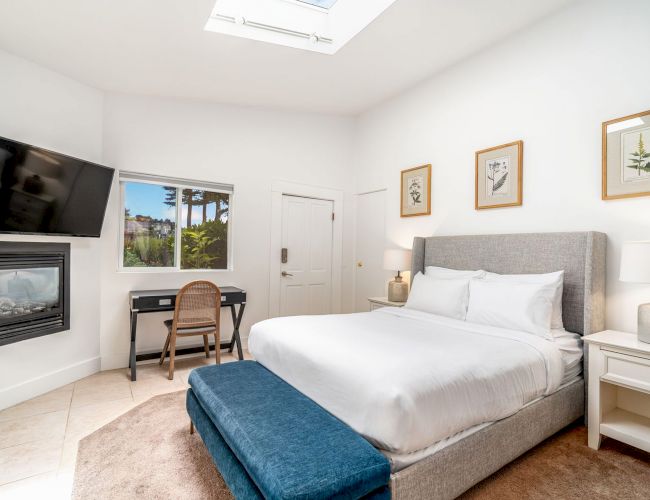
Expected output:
(379, 302)
(619, 389)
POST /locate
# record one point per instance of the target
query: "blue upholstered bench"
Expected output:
(268, 440)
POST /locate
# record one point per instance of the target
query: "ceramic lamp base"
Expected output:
(644, 323)
(398, 290)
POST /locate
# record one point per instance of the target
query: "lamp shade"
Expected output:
(635, 262)
(397, 259)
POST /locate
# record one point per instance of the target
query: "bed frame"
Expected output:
(458, 467)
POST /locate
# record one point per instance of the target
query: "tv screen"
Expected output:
(43, 192)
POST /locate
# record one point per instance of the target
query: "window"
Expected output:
(149, 225)
(174, 224)
(204, 233)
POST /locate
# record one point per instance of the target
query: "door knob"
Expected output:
(285, 274)
(359, 264)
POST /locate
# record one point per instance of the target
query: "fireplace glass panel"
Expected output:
(28, 291)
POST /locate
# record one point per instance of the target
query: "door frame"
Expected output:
(278, 190)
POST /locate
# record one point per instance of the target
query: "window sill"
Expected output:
(164, 270)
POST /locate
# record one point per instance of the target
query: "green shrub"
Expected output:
(205, 246)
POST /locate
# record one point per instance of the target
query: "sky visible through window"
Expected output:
(325, 4)
(149, 200)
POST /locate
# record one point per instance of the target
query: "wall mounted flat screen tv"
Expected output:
(43, 192)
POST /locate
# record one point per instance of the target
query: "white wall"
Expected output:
(247, 147)
(43, 108)
(551, 86)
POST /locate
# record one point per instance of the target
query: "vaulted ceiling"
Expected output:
(159, 47)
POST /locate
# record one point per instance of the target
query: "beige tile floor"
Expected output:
(39, 438)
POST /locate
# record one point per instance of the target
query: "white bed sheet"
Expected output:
(399, 461)
(405, 379)
(570, 345)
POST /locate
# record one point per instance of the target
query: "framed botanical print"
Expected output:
(416, 191)
(626, 157)
(499, 176)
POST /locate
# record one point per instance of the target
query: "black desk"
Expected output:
(148, 301)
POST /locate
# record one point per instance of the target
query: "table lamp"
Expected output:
(635, 268)
(397, 259)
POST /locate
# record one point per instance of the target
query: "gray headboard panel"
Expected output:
(580, 254)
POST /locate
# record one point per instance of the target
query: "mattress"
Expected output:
(406, 380)
(570, 345)
(399, 461)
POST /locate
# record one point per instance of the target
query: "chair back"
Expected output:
(198, 304)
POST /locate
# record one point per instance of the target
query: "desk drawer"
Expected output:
(627, 370)
(152, 303)
(233, 298)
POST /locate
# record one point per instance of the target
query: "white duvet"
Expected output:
(404, 379)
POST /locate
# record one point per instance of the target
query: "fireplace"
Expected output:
(34, 290)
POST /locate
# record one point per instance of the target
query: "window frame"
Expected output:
(179, 184)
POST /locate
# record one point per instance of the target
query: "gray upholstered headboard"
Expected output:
(581, 255)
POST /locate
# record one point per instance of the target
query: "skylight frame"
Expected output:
(295, 23)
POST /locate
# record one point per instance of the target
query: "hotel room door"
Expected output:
(306, 282)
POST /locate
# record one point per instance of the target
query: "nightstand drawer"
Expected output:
(630, 371)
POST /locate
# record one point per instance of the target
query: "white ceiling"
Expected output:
(159, 47)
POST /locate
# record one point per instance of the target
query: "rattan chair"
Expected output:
(197, 312)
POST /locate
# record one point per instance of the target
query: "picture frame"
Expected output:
(415, 191)
(626, 161)
(499, 176)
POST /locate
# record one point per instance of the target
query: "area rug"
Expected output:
(149, 453)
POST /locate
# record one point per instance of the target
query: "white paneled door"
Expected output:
(370, 278)
(306, 276)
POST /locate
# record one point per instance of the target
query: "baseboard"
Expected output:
(44, 383)
(121, 360)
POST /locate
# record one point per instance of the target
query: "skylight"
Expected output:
(316, 25)
(325, 4)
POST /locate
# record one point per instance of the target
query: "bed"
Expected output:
(448, 410)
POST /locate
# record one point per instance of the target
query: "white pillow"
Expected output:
(443, 273)
(443, 297)
(555, 279)
(517, 306)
